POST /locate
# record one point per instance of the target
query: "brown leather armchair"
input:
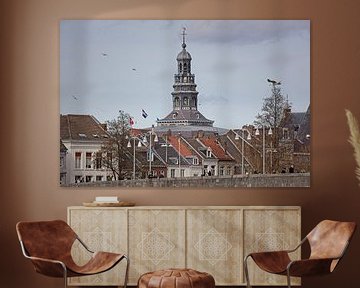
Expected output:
(48, 245)
(328, 242)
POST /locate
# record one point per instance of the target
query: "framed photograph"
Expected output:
(185, 103)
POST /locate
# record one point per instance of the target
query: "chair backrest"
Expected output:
(46, 239)
(329, 239)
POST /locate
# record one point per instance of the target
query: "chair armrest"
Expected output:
(48, 267)
(309, 267)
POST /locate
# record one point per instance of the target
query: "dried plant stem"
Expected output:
(354, 139)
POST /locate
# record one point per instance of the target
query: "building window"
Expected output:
(228, 170)
(88, 160)
(182, 172)
(185, 68)
(186, 101)
(194, 104)
(79, 179)
(180, 68)
(88, 178)
(205, 170)
(172, 173)
(195, 161)
(212, 169)
(99, 178)
(286, 133)
(62, 179)
(221, 171)
(208, 153)
(177, 102)
(77, 160)
(62, 161)
(98, 161)
(148, 156)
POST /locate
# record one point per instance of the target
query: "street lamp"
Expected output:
(257, 133)
(134, 152)
(156, 139)
(237, 137)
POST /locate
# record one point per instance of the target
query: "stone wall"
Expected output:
(253, 180)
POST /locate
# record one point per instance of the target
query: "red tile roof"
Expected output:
(184, 149)
(215, 147)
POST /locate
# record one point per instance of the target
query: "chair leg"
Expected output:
(126, 271)
(246, 272)
(288, 278)
(65, 275)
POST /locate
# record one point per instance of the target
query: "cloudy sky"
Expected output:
(112, 65)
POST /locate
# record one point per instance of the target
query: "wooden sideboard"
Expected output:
(212, 239)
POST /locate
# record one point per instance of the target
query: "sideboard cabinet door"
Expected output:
(101, 230)
(270, 229)
(214, 243)
(156, 240)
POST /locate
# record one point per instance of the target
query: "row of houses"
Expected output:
(238, 151)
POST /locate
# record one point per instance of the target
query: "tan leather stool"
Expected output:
(176, 278)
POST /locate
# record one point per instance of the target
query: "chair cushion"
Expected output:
(176, 278)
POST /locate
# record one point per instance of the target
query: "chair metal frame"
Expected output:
(26, 255)
(305, 239)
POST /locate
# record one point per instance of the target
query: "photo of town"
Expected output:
(185, 103)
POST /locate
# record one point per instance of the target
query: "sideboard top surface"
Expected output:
(193, 207)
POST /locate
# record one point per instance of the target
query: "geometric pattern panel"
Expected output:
(101, 230)
(156, 240)
(271, 230)
(214, 242)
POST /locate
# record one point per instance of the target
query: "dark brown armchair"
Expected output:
(328, 242)
(48, 245)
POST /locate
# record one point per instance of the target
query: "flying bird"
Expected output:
(133, 69)
(74, 97)
(104, 54)
(274, 82)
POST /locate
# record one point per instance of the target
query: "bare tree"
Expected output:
(273, 107)
(271, 115)
(114, 151)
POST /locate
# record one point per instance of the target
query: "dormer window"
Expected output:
(174, 115)
(208, 153)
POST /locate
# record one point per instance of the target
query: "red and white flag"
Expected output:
(131, 121)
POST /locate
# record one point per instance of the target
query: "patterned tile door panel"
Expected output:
(157, 240)
(269, 230)
(214, 242)
(101, 230)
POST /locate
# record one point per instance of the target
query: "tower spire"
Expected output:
(183, 34)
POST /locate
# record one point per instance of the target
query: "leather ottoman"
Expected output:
(176, 278)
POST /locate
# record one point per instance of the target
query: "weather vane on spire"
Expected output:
(183, 34)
